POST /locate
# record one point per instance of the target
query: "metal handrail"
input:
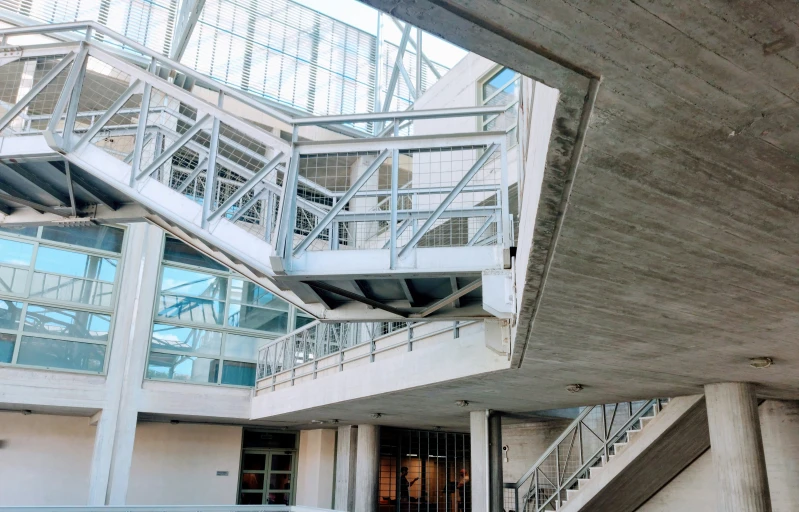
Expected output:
(574, 433)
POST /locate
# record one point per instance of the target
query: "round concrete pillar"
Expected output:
(367, 468)
(737, 448)
(779, 421)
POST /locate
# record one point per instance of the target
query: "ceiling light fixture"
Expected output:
(761, 362)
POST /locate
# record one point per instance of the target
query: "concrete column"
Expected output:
(116, 425)
(315, 468)
(346, 453)
(737, 448)
(367, 468)
(495, 489)
(779, 421)
(478, 433)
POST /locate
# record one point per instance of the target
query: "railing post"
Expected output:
(410, 337)
(605, 435)
(557, 477)
(393, 206)
(504, 232)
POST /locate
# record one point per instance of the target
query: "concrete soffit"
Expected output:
(478, 25)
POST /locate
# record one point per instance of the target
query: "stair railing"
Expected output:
(587, 442)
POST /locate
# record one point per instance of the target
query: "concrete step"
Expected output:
(582, 482)
(570, 493)
(646, 420)
(595, 471)
(632, 434)
(618, 448)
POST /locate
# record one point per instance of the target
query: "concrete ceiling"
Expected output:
(679, 250)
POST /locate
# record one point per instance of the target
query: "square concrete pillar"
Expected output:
(346, 460)
(367, 477)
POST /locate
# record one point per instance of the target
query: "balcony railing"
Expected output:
(323, 347)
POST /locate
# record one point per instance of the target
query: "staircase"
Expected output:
(597, 436)
(98, 128)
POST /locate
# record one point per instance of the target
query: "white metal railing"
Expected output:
(309, 349)
(588, 442)
(410, 191)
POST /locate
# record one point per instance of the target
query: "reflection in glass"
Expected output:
(248, 293)
(280, 481)
(191, 309)
(252, 481)
(69, 355)
(281, 462)
(243, 347)
(71, 289)
(105, 238)
(59, 261)
(238, 374)
(182, 368)
(65, 322)
(9, 314)
(186, 339)
(261, 319)
(21, 231)
(302, 320)
(177, 251)
(7, 347)
(12, 280)
(15, 253)
(177, 281)
(253, 461)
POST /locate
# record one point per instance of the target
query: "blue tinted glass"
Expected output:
(6, 347)
(22, 231)
(15, 253)
(191, 309)
(302, 320)
(261, 319)
(182, 368)
(498, 80)
(104, 238)
(9, 314)
(250, 293)
(238, 374)
(175, 250)
(65, 322)
(177, 281)
(185, 339)
(243, 347)
(69, 355)
(59, 261)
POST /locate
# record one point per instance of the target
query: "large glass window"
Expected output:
(57, 295)
(498, 89)
(209, 322)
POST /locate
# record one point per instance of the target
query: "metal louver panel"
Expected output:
(148, 22)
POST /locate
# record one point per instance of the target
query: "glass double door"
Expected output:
(267, 477)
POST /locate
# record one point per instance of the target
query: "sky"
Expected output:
(353, 12)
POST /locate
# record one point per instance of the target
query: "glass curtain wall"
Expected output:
(209, 322)
(285, 52)
(150, 22)
(58, 289)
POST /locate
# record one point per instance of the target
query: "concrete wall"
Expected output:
(695, 488)
(44, 459)
(315, 468)
(526, 442)
(177, 464)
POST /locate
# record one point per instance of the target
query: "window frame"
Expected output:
(27, 300)
(224, 329)
(482, 100)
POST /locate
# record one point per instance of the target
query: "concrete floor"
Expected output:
(677, 260)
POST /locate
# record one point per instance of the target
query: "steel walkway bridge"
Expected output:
(351, 218)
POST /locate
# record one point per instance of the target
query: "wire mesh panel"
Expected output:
(18, 79)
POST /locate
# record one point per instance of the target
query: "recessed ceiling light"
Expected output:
(761, 362)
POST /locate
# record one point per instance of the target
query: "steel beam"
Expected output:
(400, 25)
(171, 150)
(449, 299)
(37, 183)
(98, 125)
(354, 296)
(392, 83)
(246, 187)
(189, 13)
